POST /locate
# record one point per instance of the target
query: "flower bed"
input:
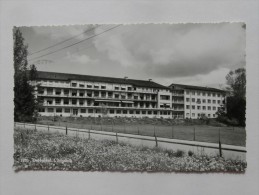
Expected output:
(53, 151)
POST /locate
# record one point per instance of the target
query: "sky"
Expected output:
(192, 54)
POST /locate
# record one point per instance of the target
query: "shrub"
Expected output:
(179, 153)
(190, 153)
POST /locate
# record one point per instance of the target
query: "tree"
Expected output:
(236, 100)
(25, 104)
(33, 74)
(236, 81)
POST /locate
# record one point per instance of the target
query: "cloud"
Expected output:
(80, 58)
(178, 50)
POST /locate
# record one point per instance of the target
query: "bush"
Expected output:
(190, 153)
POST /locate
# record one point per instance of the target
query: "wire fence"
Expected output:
(202, 133)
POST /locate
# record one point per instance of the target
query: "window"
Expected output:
(187, 114)
(66, 92)
(81, 93)
(149, 112)
(135, 97)
(41, 109)
(49, 91)
(218, 94)
(41, 91)
(209, 108)
(143, 112)
(187, 107)
(137, 112)
(81, 102)
(203, 107)
(116, 96)
(118, 111)
(125, 112)
(214, 108)
(218, 101)
(57, 101)
(193, 92)
(193, 107)
(74, 84)
(187, 92)
(203, 94)
(89, 86)
(123, 97)
(49, 102)
(123, 88)
(116, 88)
(198, 107)
(74, 93)
(50, 110)
(209, 101)
(214, 101)
(209, 94)
(131, 111)
(155, 112)
(109, 94)
(83, 110)
(204, 101)
(198, 101)
(214, 115)
(96, 94)
(193, 99)
(129, 88)
(59, 110)
(67, 110)
(198, 93)
(164, 97)
(66, 101)
(90, 111)
(213, 94)
(208, 115)
(96, 87)
(193, 114)
(111, 111)
(74, 102)
(187, 99)
(103, 87)
(81, 85)
(89, 94)
(103, 94)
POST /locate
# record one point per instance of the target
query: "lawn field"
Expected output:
(196, 130)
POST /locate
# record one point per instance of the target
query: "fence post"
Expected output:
(89, 135)
(156, 141)
(194, 133)
(138, 130)
(117, 141)
(124, 127)
(172, 132)
(66, 130)
(35, 127)
(220, 149)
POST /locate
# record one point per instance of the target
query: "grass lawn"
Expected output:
(53, 151)
(167, 128)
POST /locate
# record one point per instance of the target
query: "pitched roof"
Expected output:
(196, 87)
(68, 77)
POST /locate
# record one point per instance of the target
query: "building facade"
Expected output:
(62, 94)
(82, 95)
(196, 101)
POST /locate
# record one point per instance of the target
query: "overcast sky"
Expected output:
(195, 54)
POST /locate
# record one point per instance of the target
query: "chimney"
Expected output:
(125, 78)
(149, 80)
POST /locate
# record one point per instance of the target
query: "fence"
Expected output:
(202, 133)
(154, 140)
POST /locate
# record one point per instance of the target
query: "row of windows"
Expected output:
(203, 101)
(203, 93)
(199, 115)
(83, 110)
(202, 107)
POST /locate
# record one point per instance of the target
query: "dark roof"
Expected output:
(67, 77)
(196, 87)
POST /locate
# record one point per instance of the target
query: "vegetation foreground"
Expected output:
(54, 151)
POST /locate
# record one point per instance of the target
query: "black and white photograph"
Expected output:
(167, 97)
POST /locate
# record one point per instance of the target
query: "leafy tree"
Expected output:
(25, 104)
(236, 100)
(33, 74)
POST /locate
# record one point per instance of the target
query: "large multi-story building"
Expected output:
(197, 101)
(83, 95)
